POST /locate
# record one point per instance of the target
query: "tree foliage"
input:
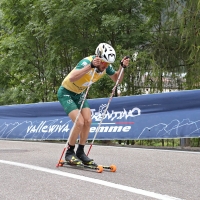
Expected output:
(41, 42)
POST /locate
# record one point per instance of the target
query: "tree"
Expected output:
(41, 42)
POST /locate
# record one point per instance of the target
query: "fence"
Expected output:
(151, 116)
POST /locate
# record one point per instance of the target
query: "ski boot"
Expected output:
(85, 159)
(72, 159)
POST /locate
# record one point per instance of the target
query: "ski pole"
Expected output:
(90, 83)
(113, 90)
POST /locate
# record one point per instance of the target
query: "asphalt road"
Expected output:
(28, 172)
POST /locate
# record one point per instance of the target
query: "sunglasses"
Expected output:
(105, 63)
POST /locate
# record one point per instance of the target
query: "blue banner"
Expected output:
(152, 116)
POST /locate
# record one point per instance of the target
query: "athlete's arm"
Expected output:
(76, 74)
(114, 77)
(83, 67)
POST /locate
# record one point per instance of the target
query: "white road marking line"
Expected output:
(93, 180)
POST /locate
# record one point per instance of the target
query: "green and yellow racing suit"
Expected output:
(71, 94)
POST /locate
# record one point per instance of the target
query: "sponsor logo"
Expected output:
(84, 63)
(86, 84)
(110, 129)
(80, 88)
(113, 124)
(113, 115)
(45, 128)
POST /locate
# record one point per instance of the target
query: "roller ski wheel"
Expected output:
(99, 168)
(92, 164)
(113, 168)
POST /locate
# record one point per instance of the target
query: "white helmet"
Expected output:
(106, 52)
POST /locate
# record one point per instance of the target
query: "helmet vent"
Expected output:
(106, 52)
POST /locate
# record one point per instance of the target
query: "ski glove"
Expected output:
(121, 62)
(92, 66)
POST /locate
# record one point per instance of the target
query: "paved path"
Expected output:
(28, 171)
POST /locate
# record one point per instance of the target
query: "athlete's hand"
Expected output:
(96, 62)
(125, 62)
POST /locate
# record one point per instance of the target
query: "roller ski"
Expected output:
(90, 162)
(82, 161)
(73, 160)
(97, 168)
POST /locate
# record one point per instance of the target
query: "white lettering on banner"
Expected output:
(111, 129)
(57, 126)
(47, 128)
(114, 115)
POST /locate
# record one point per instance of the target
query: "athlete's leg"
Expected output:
(82, 127)
(78, 126)
(86, 115)
(70, 154)
(69, 103)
